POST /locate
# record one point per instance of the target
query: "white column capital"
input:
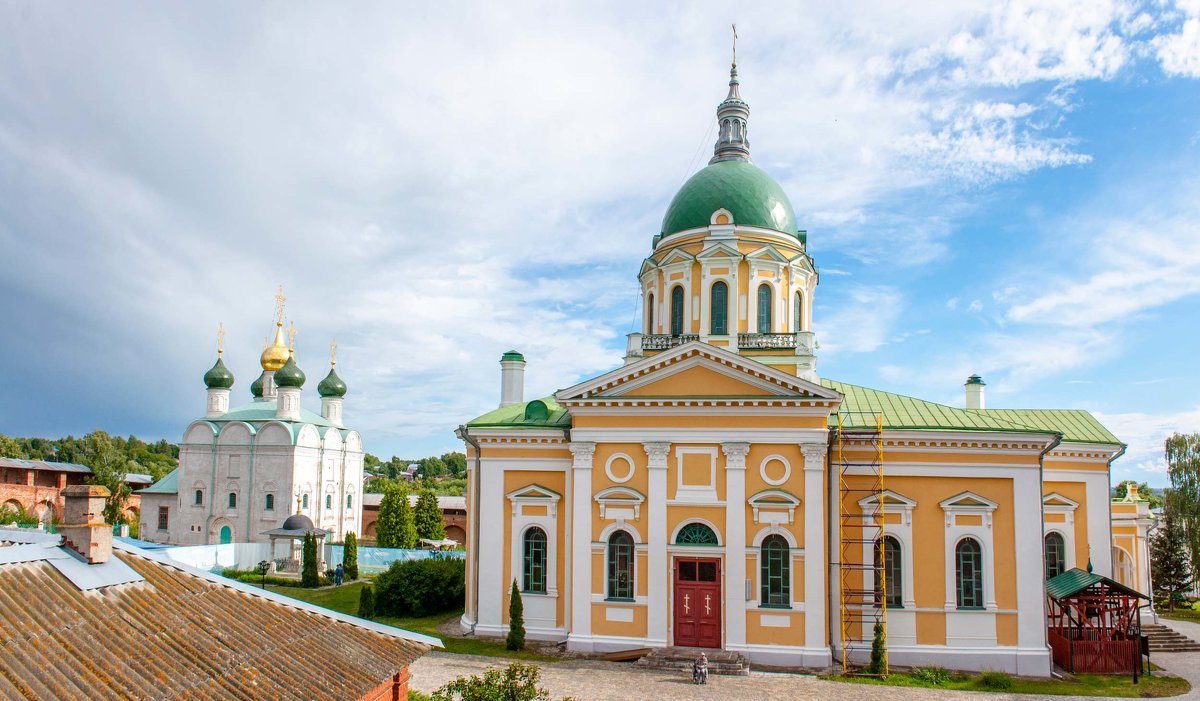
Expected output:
(814, 455)
(656, 453)
(583, 453)
(735, 455)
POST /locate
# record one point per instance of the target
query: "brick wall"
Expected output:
(394, 689)
(38, 491)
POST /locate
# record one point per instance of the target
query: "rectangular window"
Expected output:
(270, 502)
(163, 518)
(349, 501)
(328, 501)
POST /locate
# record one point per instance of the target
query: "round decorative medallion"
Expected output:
(615, 471)
(775, 470)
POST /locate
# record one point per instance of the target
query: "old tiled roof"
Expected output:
(44, 465)
(182, 635)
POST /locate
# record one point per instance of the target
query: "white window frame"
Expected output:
(895, 503)
(535, 495)
(970, 504)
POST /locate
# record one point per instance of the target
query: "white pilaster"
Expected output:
(816, 612)
(492, 587)
(1099, 526)
(656, 536)
(581, 545)
(1031, 619)
(735, 543)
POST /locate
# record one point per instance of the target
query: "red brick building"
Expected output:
(454, 515)
(33, 487)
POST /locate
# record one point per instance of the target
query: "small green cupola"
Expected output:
(332, 385)
(290, 375)
(219, 376)
(256, 387)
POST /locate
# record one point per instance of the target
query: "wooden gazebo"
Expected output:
(1095, 624)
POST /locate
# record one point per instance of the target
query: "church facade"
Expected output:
(716, 491)
(243, 470)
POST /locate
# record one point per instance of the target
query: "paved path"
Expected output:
(589, 680)
(1184, 664)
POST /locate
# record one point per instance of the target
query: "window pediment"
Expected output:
(774, 506)
(620, 503)
(1057, 503)
(968, 502)
(719, 251)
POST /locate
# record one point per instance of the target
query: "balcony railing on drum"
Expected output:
(766, 340)
(663, 341)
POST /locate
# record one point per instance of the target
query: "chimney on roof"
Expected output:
(512, 378)
(974, 387)
(83, 528)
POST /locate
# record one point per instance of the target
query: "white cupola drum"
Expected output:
(974, 387)
(218, 380)
(332, 389)
(512, 378)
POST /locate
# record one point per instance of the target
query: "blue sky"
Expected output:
(1010, 188)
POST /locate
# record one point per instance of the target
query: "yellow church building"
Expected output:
(716, 491)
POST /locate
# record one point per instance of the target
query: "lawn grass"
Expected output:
(1083, 685)
(1180, 614)
(344, 599)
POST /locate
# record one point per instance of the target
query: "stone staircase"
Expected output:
(681, 658)
(1164, 639)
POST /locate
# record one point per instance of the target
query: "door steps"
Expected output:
(719, 661)
(1165, 639)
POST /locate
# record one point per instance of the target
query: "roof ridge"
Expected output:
(937, 404)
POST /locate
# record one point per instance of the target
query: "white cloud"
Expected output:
(1145, 434)
(861, 320)
(1179, 52)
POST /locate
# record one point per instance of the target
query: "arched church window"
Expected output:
(199, 497)
(304, 501)
(1056, 555)
(620, 566)
(328, 501)
(719, 312)
(968, 565)
(650, 313)
(233, 500)
(677, 311)
(269, 502)
(349, 501)
(798, 314)
(776, 575)
(534, 560)
(893, 574)
(696, 534)
(764, 308)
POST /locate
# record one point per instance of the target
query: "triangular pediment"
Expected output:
(968, 501)
(890, 499)
(533, 492)
(719, 250)
(696, 369)
(676, 255)
(768, 253)
(648, 265)
(1054, 500)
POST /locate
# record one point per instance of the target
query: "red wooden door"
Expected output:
(697, 602)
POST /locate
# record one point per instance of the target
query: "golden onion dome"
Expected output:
(276, 354)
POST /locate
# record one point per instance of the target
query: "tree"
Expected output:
(408, 525)
(429, 517)
(456, 463)
(433, 467)
(1169, 565)
(516, 682)
(1144, 492)
(516, 620)
(308, 570)
(387, 527)
(10, 448)
(1183, 465)
(350, 555)
(366, 602)
(109, 468)
(878, 663)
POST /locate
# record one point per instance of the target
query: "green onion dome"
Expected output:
(219, 376)
(332, 385)
(750, 195)
(256, 387)
(290, 375)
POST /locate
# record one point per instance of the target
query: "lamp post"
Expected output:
(263, 566)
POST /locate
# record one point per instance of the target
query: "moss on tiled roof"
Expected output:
(1076, 425)
(519, 416)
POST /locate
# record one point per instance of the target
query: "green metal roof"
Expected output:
(265, 411)
(1075, 580)
(512, 355)
(169, 484)
(290, 375)
(901, 412)
(750, 195)
(1076, 425)
(256, 387)
(524, 416)
(219, 376)
(332, 385)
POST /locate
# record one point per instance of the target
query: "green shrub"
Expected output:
(935, 676)
(1196, 606)
(18, 516)
(878, 663)
(350, 556)
(366, 602)
(418, 696)
(996, 681)
(308, 563)
(421, 587)
(253, 577)
(516, 620)
(516, 682)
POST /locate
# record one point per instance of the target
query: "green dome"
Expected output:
(218, 377)
(743, 188)
(332, 385)
(290, 375)
(256, 387)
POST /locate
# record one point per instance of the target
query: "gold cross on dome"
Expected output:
(220, 339)
(291, 337)
(333, 352)
(279, 300)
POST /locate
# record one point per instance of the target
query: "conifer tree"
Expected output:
(516, 620)
(366, 602)
(350, 556)
(429, 517)
(1169, 566)
(388, 526)
(308, 571)
(878, 664)
(407, 523)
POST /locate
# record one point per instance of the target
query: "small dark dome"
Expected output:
(218, 377)
(289, 375)
(332, 386)
(256, 387)
(298, 522)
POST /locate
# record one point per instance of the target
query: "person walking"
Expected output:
(338, 574)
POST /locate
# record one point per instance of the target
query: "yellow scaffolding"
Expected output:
(863, 601)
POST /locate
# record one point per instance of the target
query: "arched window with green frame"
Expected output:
(798, 313)
(677, 311)
(1056, 555)
(533, 559)
(775, 576)
(620, 566)
(718, 313)
(893, 573)
(968, 573)
(764, 308)
(696, 534)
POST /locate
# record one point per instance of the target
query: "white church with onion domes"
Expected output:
(244, 470)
